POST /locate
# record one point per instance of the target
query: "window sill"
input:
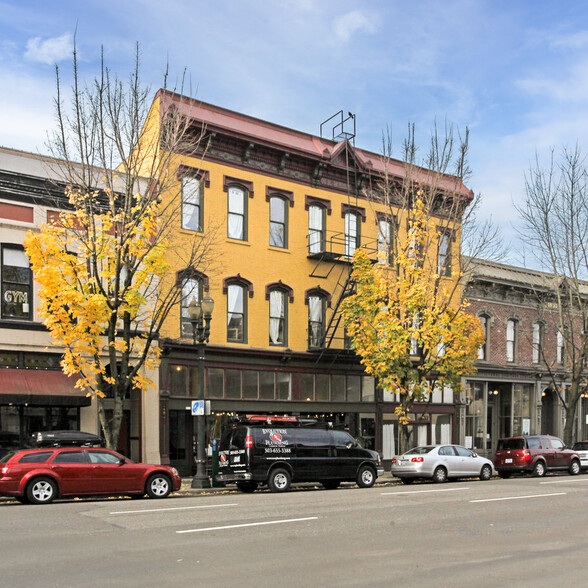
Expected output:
(238, 242)
(278, 249)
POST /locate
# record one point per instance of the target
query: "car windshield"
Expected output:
(419, 450)
(510, 444)
(6, 457)
(581, 445)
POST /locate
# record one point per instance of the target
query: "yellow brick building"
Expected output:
(289, 209)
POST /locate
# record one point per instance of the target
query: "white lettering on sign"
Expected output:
(14, 296)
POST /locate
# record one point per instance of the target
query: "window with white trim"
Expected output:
(192, 217)
(237, 213)
(16, 283)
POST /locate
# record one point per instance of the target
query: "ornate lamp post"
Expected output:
(200, 316)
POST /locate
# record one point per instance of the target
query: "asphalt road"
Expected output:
(517, 532)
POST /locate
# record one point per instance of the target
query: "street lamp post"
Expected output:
(200, 315)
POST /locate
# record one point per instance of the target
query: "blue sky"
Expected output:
(516, 73)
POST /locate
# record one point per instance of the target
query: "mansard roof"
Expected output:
(218, 119)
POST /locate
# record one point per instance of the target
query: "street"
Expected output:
(517, 532)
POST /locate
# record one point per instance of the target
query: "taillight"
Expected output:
(526, 455)
(248, 441)
(4, 470)
(418, 459)
(393, 460)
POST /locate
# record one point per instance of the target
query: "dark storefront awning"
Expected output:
(40, 388)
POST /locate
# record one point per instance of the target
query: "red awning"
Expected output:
(40, 387)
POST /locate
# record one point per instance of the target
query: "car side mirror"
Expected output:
(350, 444)
(474, 454)
(122, 461)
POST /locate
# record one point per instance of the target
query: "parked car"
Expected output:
(276, 451)
(534, 454)
(581, 448)
(40, 476)
(440, 462)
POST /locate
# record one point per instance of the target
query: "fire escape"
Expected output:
(334, 250)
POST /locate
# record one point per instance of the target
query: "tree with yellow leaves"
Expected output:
(406, 318)
(102, 265)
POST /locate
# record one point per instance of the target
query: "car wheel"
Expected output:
(539, 469)
(41, 491)
(440, 475)
(279, 480)
(505, 475)
(485, 473)
(366, 477)
(158, 486)
(330, 484)
(574, 467)
(247, 487)
(407, 480)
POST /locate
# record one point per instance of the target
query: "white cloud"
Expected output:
(347, 25)
(49, 51)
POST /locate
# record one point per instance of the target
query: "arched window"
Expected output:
(193, 284)
(560, 347)
(278, 221)
(278, 322)
(444, 254)
(236, 288)
(537, 342)
(316, 319)
(483, 349)
(385, 233)
(511, 340)
(192, 210)
(352, 233)
(316, 228)
(237, 212)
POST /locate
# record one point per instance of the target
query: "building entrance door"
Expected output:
(547, 410)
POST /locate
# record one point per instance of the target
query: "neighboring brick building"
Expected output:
(511, 394)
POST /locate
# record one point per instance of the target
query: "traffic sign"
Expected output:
(197, 407)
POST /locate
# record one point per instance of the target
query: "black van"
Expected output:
(278, 450)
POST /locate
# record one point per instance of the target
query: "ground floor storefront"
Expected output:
(497, 405)
(33, 400)
(330, 389)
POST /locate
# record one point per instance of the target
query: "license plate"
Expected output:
(509, 460)
(403, 461)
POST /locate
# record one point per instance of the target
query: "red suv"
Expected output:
(41, 475)
(534, 454)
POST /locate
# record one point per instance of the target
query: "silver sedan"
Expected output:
(440, 462)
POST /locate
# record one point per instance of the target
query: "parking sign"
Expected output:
(197, 407)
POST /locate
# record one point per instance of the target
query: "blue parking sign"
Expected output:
(197, 407)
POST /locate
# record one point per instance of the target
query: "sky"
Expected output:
(514, 73)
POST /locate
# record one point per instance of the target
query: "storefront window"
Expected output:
(338, 388)
(322, 387)
(178, 380)
(521, 409)
(474, 433)
(215, 383)
(233, 378)
(250, 384)
(267, 385)
(307, 386)
(353, 388)
(284, 386)
(442, 428)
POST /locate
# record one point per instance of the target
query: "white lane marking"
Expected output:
(519, 497)
(248, 525)
(171, 508)
(566, 481)
(422, 491)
